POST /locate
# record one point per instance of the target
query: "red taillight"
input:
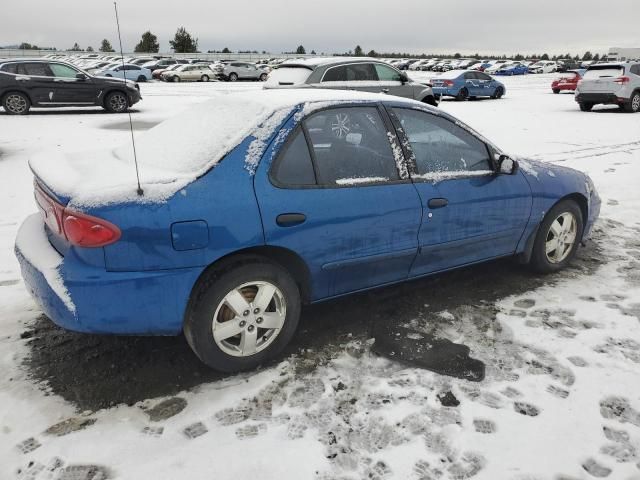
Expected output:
(80, 229)
(87, 231)
(622, 80)
(448, 83)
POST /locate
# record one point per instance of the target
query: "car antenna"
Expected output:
(124, 79)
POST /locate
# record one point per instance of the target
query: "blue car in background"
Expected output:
(463, 84)
(255, 203)
(516, 69)
(128, 71)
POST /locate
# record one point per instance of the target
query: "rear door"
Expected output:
(487, 84)
(335, 196)
(469, 212)
(472, 84)
(37, 79)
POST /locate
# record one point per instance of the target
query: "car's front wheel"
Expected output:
(556, 91)
(263, 77)
(585, 106)
(116, 102)
(204, 78)
(16, 103)
(142, 78)
(462, 94)
(498, 93)
(634, 103)
(558, 237)
(233, 77)
(242, 316)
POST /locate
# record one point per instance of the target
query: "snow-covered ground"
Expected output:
(561, 398)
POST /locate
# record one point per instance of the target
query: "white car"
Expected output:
(189, 73)
(544, 66)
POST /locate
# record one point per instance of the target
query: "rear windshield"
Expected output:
(288, 76)
(603, 72)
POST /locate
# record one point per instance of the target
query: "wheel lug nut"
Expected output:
(256, 310)
(242, 324)
(250, 328)
(245, 313)
(259, 320)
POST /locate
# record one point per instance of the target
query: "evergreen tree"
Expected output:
(372, 53)
(89, 48)
(587, 55)
(300, 50)
(183, 42)
(105, 46)
(544, 56)
(226, 50)
(76, 48)
(596, 57)
(148, 43)
(358, 51)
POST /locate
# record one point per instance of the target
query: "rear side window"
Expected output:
(603, 72)
(635, 69)
(294, 166)
(9, 68)
(335, 74)
(350, 146)
(36, 69)
(351, 73)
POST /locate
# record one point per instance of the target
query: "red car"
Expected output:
(569, 81)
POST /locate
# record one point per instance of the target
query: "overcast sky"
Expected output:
(416, 26)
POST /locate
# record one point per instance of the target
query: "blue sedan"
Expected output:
(128, 71)
(463, 84)
(258, 202)
(516, 69)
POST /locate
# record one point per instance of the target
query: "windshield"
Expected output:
(604, 72)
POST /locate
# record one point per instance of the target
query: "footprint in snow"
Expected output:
(524, 408)
(195, 430)
(595, 469)
(578, 361)
(557, 391)
(28, 445)
(231, 416)
(153, 431)
(524, 303)
(618, 408)
(481, 425)
(250, 431)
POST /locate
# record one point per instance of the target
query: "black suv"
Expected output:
(51, 83)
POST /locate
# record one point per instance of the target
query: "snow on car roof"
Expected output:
(451, 74)
(318, 61)
(174, 153)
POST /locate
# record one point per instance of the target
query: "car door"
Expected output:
(36, 78)
(470, 213)
(472, 84)
(391, 81)
(335, 196)
(71, 90)
(487, 84)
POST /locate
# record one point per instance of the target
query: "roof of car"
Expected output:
(321, 61)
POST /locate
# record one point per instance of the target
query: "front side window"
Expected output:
(351, 146)
(62, 70)
(439, 145)
(294, 166)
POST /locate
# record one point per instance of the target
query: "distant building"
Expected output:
(619, 54)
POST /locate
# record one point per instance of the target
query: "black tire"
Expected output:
(633, 106)
(16, 103)
(209, 294)
(462, 94)
(176, 78)
(233, 77)
(539, 261)
(585, 106)
(263, 77)
(430, 101)
(498, 93)
(142, 79)
(556, 91)
(204, 78)
(116, 102)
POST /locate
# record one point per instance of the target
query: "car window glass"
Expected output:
(361, 72)
(336, 74)
(294, 166)
(440, 145)
(387, 74)
(482, 76)
(37, 69)
(469, 76)
(635, 69)
(63, 70)
(351, 146)
(10, 68)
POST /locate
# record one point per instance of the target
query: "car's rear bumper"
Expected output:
(84, 298)
(444, 92)
(599, 97)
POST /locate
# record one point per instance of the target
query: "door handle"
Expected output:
(385, 90)
(290, 219)
(438, 202)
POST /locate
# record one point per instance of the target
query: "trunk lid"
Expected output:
(601, 78)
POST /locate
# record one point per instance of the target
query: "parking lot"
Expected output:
(561, 352)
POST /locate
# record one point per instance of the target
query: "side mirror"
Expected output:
(403, 77)
(81, 76)
(507, 165)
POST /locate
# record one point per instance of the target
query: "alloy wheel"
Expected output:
(561, 237)
(635, 103)
(118, 102)
(16, 104)
(249, 318)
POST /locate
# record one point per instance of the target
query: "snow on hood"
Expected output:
(179, 150)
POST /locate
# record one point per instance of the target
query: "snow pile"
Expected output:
(33, 243)
(287, 77)
(436, 177)
(360, 180)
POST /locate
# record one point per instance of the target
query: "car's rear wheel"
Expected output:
(462, 94)
(555, 90)
(116, 102)
(142, 78)
(586, 106)
(176, 78)
(204, 78)
(558, 237)
(263, 77)
(634, 103)
(16, 103)
(242, 316)
(498, 93)
(233, 77)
